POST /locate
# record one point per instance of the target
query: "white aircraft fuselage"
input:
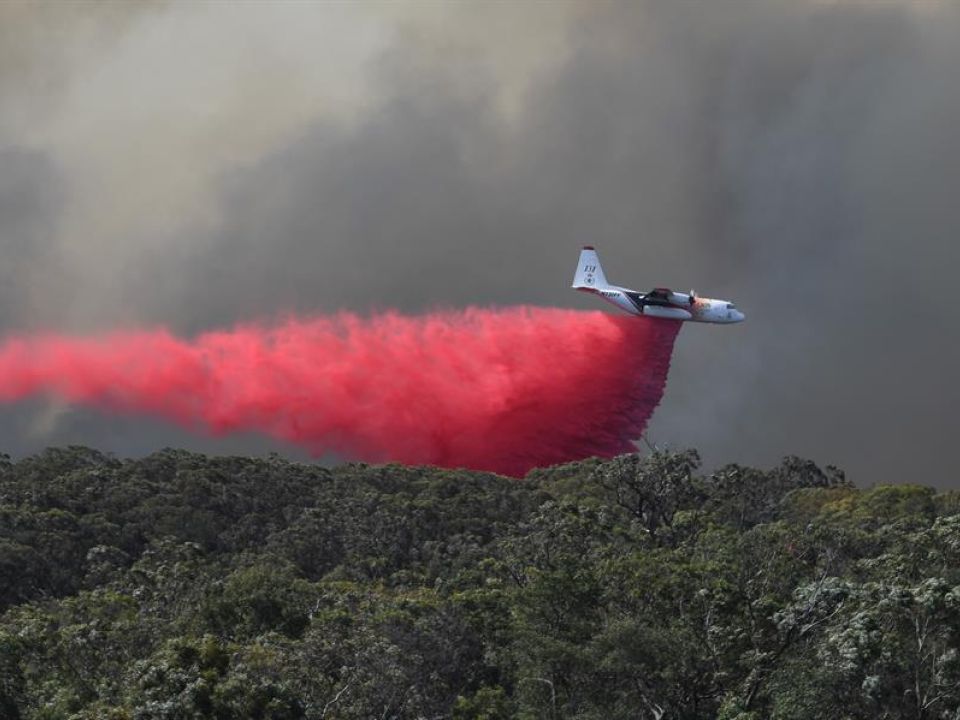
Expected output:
(659, 302)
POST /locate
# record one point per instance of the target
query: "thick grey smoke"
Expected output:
(197, 165)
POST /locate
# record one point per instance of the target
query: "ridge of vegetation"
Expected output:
(184, 586)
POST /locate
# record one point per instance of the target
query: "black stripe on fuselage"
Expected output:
(637, 300)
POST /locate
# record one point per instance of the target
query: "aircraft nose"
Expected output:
(739, 316)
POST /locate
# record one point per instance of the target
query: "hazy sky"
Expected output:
(198, 164)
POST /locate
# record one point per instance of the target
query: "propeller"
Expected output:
(693, 296)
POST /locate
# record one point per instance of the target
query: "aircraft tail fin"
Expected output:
(589, 274)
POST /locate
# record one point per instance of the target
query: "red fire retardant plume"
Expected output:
(501, 390)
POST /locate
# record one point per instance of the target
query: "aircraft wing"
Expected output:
(667, 298)
(664, 294)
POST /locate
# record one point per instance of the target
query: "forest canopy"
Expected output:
(185, 586)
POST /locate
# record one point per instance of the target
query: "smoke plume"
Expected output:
(501, 390)
(193, 165)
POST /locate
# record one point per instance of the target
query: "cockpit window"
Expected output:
(731, 306)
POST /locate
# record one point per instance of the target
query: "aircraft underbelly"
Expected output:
(670, 313)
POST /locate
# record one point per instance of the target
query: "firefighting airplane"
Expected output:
(659, 302)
